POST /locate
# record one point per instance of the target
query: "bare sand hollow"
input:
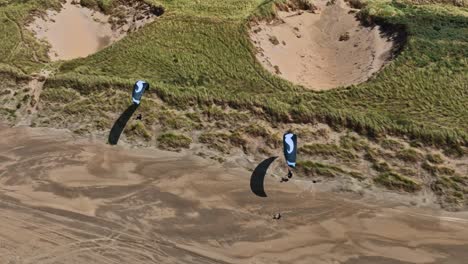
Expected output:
(309, 52)
(64, 200)
(73, 32)
(76, 31)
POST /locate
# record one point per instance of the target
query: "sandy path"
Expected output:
(308, 50)
(35, 89)
(148, 206)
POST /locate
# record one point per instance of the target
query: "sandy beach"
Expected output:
(71, 200)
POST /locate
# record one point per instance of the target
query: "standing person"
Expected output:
(290, 151)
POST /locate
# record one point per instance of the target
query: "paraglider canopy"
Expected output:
(138, 89)
(290, 148)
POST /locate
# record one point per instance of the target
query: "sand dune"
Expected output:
(75, 31)
(307, 48)
(149, 206)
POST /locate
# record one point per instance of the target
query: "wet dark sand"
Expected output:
(64, 200)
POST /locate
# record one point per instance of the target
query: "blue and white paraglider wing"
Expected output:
(290, 149)
(138, 90)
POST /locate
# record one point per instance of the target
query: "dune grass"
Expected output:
(173, 141)
(451, 191)
(232, 9)
(20, 52)
(198, 53)
(311, 168)
(435, 158)
(395, 181)
(409, 155)
(328, 150)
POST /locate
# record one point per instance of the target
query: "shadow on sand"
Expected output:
(258, 176)
(120, 124)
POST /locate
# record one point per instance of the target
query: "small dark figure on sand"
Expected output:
(139, 117)
(277, 216)
(286, 178)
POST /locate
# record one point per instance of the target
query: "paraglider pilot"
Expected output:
(277, 216)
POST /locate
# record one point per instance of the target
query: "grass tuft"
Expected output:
(395, 181)
(138, 129)
(328, 150)
(437, 170)
(435, 158)
(311, 168)
(173, 141)
(409, 155)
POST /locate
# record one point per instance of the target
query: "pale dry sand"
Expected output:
(309, 51)
(76, 31)
(150, 206)
(73, 32)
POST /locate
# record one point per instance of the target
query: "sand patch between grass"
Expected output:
(322, 50)
(76, 31)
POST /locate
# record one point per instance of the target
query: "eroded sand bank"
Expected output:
(149, 206)
(312, 49)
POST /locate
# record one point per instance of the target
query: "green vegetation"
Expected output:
(451, 191)
(391, 144)
(409, 155)
(138, 129)
(200, 54)
(315, 169)
(311, 168)
(103, 5)
(435, 158)
(273, 140)
(7, 114)
(381, 166)
(395, 181)
(223, 142)
(371, 155)
(455, 151)
(216, 113)
(238, 140)
(218, 141)
(353, 142)
(257, 130)
(172, 141)
(170, 120)
(20, 53)
(328, 150)
(357, 175)
(59, 95)
(437, 170)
